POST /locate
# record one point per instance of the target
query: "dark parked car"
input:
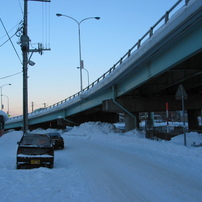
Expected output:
(35, 150)
(57, 140)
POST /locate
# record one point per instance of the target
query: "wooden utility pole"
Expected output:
(25, 51)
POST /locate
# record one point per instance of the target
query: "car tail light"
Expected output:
(51, 152)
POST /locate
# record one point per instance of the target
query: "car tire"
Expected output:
(50, 166)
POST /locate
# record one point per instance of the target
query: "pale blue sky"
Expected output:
(55, 75)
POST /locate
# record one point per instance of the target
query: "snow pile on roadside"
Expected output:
(92, 129)
(191, 138)
(99, 130)
(105, 133)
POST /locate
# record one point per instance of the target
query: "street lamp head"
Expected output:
(58, 14)
(78, 23)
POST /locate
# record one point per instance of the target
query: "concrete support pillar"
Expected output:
(151, 117)
(129, 121)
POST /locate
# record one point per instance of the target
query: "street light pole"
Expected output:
(86, 72)
(81, 63)
(2, 95)
(79, 34)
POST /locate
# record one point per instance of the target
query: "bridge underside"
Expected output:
(153, 94)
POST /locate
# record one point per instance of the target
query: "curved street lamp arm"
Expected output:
(97, 18)
(58, 14)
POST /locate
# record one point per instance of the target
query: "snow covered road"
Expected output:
(97, 165)
(114, 173)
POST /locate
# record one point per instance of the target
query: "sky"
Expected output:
(98, 164)
(55, 75)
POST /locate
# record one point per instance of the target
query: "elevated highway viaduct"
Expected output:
(143, 80)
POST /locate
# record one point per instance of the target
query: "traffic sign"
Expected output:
(181, 93)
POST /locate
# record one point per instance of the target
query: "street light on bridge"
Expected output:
(79, 34)
(87, 74)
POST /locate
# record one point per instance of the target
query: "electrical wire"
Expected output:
(9, 31)
(7, 40)
(11, 41)
(20, 7)
(46, 24)
(10, 75)
(16, 33)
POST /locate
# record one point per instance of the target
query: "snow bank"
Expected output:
(93, 128)
(105, 134)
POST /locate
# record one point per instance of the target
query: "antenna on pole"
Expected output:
(25, 50)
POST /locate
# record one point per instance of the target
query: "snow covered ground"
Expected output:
(99, 165)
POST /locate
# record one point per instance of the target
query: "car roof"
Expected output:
(54, 134)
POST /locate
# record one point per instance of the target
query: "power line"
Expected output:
(11, 41)
(46, 24)
(10, 75)
(12, 35)
(7, 40)
(20, 7)
(9, 31)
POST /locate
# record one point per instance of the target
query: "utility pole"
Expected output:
(25, 51)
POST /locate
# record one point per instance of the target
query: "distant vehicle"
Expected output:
(57, 140)
(35, 150)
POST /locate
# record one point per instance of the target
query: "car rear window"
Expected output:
(35, 140)
(34, 151)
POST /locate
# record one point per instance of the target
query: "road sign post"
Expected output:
(182, 95)
(167, 121)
